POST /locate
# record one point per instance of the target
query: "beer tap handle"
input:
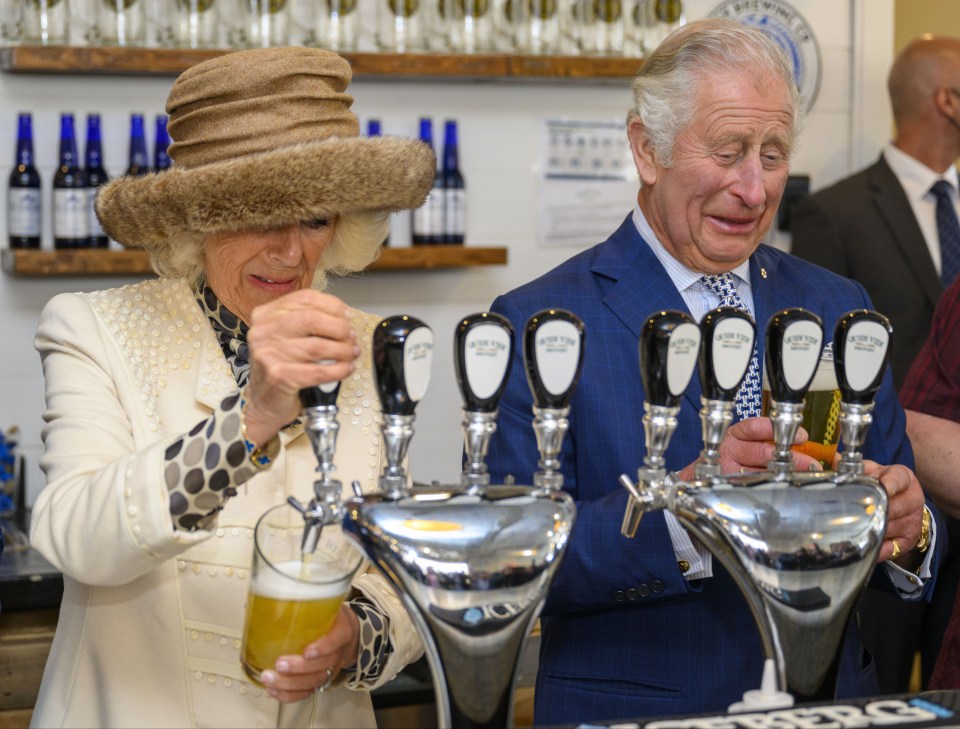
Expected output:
(482, 353)
(793, 342)
(552, 357)
(861, 348)
(553, 342)
(324, 395)
(483, 350)
(728, 336)
(669, 346)
(861, 343)
(402, 359)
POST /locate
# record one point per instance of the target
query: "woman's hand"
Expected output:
(748, 446)
(303, 339)
(295, 678)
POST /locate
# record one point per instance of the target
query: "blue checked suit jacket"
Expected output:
(623, 633)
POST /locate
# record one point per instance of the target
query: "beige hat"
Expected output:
(263, 138)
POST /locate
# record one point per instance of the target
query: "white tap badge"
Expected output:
(802, 342)
(863, 353)
(417, 361)
(558, 352)
(732, 349)
(682, 351)
(486, 358)
(329, 387)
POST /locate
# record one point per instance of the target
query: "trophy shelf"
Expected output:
(98, 262)
(371, 66)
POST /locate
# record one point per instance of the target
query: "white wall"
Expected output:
(500, 126)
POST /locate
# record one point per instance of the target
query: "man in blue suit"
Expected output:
(653, 625)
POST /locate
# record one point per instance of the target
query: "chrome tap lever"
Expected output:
(553, 356)
(861, 344)
(728, 337)
(482, 352)
(793, 342)
(320, 422)
(669, 346)
(402, 359)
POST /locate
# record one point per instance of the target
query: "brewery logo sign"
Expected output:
(780, 21)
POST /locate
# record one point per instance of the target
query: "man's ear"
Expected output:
(642, 151)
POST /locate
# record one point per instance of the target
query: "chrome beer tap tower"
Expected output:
(800, 545)
(472, 562)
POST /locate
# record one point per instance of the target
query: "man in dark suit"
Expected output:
(653, 625)
(879, 228)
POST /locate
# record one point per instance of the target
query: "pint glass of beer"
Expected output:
(821, 412)
(294, 598)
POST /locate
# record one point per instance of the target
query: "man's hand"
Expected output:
(748, 446)
(904, 512)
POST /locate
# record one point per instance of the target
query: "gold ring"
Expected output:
(896, 549)
(326, 684)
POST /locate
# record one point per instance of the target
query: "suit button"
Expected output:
(632, 595)
(619, 596)
(656, 586)
(643, 589)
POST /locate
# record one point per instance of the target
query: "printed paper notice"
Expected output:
(588, 184)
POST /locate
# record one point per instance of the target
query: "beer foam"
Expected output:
(825, 378)
(323, 582)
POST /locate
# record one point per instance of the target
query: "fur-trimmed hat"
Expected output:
(263, 138)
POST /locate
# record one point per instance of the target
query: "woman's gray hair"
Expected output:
(357, 238)
(665, 91)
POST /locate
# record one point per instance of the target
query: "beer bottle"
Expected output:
(373, 130)
(71, 199)
(23, 192)
(139, 163)
(427, 225)
(161, 140)
(454, 189)
(96, 176)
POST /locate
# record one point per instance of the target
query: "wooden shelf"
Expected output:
(33, 263)
(410, 66)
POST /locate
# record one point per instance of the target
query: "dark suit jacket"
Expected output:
(623, 633)
(864, 228)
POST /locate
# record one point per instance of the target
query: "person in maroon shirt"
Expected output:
(931, 397)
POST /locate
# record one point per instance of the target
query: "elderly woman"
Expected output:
(172, 405)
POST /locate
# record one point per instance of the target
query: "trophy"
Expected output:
(800, 545)
(472, 562)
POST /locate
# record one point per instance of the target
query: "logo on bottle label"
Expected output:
(781, 22)
(23, 212)
(70, 208)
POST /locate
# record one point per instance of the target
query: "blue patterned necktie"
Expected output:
(948, 229)
(747, 403)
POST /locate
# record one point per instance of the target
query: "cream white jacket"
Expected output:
(151, 618)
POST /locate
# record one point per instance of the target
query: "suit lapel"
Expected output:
(642, 286)
(896, 211)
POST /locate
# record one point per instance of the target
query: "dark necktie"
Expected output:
(747, 403)
(948, 229)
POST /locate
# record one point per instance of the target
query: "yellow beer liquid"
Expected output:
(821, 417)
(284, 616)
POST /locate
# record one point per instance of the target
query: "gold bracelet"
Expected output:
(261, 457)
(923, 544)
